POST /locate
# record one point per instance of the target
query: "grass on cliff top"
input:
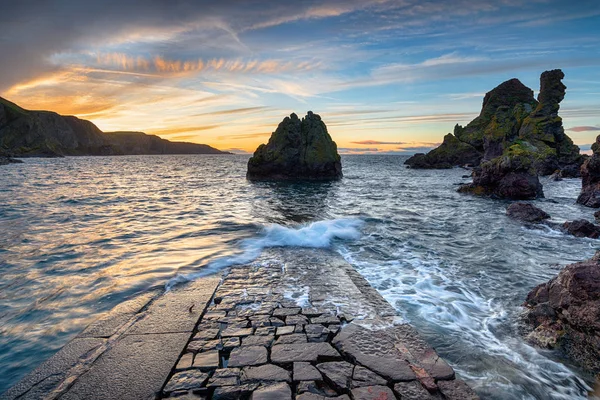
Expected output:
(12, 106)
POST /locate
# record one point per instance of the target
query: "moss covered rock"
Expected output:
(298, 149)
(450, 153)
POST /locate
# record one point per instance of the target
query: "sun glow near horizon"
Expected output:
(226, 76)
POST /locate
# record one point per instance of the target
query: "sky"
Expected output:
(385, 76)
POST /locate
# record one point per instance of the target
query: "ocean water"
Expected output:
(78, 235)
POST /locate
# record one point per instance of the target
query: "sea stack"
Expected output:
(565, 313)
(297, 150)
(512, 121)
(590, 179)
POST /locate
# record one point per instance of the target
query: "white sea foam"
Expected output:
(315, 235)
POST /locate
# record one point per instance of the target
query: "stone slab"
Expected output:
(135, 368)
(49, 374)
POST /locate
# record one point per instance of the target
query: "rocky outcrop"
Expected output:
(450, 153)
(590, 179)
(526, 212)
(510, 176)
(582, 228)
(511, 115)
(564, 313)
(26, 133)
(298, 149)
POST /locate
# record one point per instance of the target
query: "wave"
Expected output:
(318, 234)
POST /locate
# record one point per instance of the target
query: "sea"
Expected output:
(78, 235)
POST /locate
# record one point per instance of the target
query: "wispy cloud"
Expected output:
(584, 128)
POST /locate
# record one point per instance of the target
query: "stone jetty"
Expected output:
(306, 326)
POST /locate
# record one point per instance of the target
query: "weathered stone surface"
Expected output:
(224, 377)
(185, 361)
(234, 392)
(364, 377)
(412, 391)
(285, 330)
(296, 320)
(373, 393)
(49, 374)
(304, 371)
(374, 350)
(248, 356)
(313, 396)
(265, 373)
(206, 334)
(230, 343)
(293, 338)
(296, 352)
(565, 313)
(526, 212)
(186, 380)
(298, 149)
(338, 374)
(235, 331)
(127, 371)
(451, 152)
(582, 228)
(207, 360)
(278, 391)
(590, 179)
(261, 340)
(204, 345)
(457, 390)
(284, 312)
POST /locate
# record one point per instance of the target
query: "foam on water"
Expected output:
(318, 234)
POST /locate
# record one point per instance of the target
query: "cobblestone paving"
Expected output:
(306, 328)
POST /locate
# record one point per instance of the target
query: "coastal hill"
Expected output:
(25, 133)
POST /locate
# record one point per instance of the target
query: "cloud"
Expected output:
(584, 128)
(375, 142)
(416, 149)
(183, 129)
(357, 149)
(244, 110)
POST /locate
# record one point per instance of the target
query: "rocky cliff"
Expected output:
(25, 133)
(298, 149)
(510, 116)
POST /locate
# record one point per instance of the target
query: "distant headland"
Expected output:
(25, 133)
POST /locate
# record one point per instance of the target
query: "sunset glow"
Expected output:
(395, 74)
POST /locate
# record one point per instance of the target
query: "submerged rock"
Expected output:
(526, 212)
(590, 179)
(509, 116)
(510, 176)
(298, 149)
(565, 313)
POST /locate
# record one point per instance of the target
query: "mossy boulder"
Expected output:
(590, 179)
(510, 176)
(450, 153)
(297, 150)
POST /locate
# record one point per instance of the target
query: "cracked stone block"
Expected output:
(234, 331)
(364, 377)
(315, 387)
(339, 374)
(213, 315)
(276, 322)
(373, 393)
(266, 340)
(185, 361)
(224, 377)
(201, 345)
(206, 334)
(284, 312)
(285, 330)
(234, 392)
(293, 338)
(304, 371)
(231, 342)
(278, 391)
(207, 360)
(186, 380)
(375, 350)
(265, 373)
(312, 312)
(412, 391)
(310, 352)
(296, 320)
(457, 390)
(248, 356)
(265, 330)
